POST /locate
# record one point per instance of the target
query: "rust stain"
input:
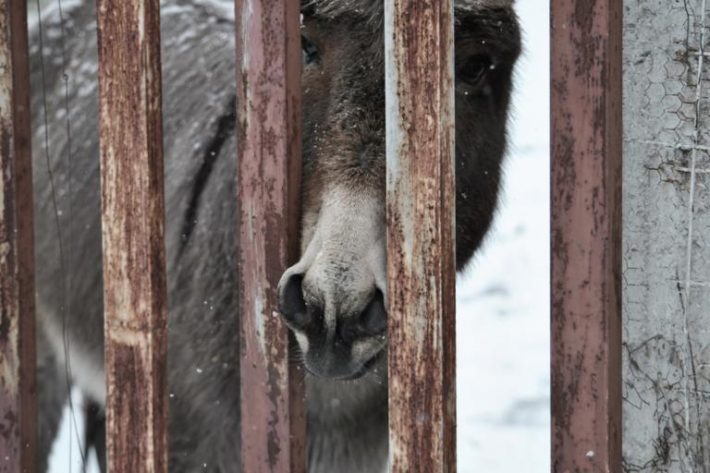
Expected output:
(18, 409)
(586, 235)
(133, 235)
(269, 168)
(420, 243)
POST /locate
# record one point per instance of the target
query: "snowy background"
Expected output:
(502, 300)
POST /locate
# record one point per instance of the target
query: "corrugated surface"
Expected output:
(586, 236)
(667, 236)
(132, 227)
(269, 169)
(420, 243)
(18, 410)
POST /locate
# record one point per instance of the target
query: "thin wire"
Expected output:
(60, 239)
(70, 174)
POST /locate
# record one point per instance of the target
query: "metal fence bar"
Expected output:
(18, 404)
(586, 235)
(133, 227)
(269, 168)
(419, 76)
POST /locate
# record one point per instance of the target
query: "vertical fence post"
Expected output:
(132, 227)
(419, 74)
(269, 169)
(18, 408)
(586, 235)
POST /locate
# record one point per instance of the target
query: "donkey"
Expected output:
(339, 282)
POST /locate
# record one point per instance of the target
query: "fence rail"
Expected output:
(419, 46)
(18, 403)
(133, 216)
(273, 437)
(586, 235)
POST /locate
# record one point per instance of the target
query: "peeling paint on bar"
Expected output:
(586, 235)
(133, 235)
(420, 245)
(18, 403)
(273, 437)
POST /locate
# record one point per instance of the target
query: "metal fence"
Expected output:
(18, 407)
(586, 238)
(586, 235)
(133, 235)
(133, 216)
(269, 96)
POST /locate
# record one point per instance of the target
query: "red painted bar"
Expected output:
(269, 54)
(133, 235)
(419, 80)
(586, 235)
(18, 390)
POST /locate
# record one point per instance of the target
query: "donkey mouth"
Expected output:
(367, 366)
(358, 373)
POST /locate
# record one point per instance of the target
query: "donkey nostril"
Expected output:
(374, 319)
(371, 322)
(291, 303)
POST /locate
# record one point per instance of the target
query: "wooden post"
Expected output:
(586, 235)
(419, 78)
(18, 408)
(133, 242)
(269, 169)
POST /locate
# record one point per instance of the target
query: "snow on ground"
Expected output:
(502, 300)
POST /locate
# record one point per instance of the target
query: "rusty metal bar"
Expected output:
(269, 170)
(18, 404)
(133, 217)
(586, 235)
(420, 240)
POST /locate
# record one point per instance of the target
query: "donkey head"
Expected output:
(334, 298)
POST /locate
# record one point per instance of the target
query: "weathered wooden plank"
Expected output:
(269, 169)
(18, 409)
(132, 228)
(420, 239)
(586, 235)
(666, 283)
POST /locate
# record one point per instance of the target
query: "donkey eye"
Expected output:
(310, 51)
(475, 69)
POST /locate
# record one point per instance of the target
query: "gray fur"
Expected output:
(347, 419)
